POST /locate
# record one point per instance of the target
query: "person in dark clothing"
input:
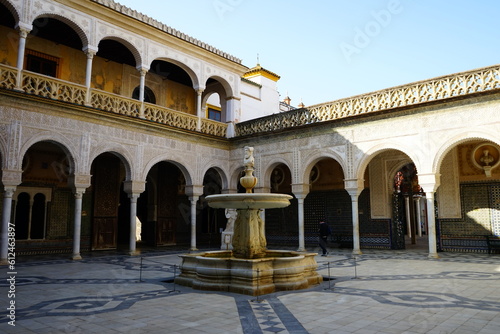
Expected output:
(324, 232)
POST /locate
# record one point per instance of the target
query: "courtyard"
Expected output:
(378, 292)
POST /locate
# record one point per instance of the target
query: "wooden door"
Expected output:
(106, 200)
(167, 205)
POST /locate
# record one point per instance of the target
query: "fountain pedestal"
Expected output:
(276, 271)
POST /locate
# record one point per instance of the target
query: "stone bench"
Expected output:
(493, 243)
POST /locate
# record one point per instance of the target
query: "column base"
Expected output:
(134, 252)
(76, 257)
(433, 256)
(357, 252)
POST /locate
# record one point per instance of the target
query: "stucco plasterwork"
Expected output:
(106, 30)
(378, 181)
(84, 141)
(448, 193)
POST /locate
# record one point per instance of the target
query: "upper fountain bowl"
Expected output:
(249, 201)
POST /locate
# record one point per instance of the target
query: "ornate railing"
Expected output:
(440, 88)
(48, 87)
(36, 84)
(8, 77)
(114, 103)
(213, 127)
(171, 117)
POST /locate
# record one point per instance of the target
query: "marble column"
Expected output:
(417, 215)
(354, 188)
(199, 110)
(429, 183)
(193, 200)
(77, 226)
(90, 53)
(23, 34)
(133, 224)
(6, 216)
(408, 216)
(142, 86)
(300, 191)
(300, 209)
(355, 225)
(431, 223)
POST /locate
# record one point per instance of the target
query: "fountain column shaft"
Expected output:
(249, 240)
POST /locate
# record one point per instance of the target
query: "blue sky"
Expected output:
(330, 49)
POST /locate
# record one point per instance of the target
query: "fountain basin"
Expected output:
(249, 201)
(276, 271)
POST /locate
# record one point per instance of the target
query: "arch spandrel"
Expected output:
(3, 151)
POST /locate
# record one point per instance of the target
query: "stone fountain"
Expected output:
(249, 268)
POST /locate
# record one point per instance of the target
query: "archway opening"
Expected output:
(282, 228)
(410, 208)
(163, 209)
(110, 204)
(329, 201)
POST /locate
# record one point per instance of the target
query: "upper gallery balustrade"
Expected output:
(56, 89)
(441, 88)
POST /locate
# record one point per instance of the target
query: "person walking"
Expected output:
(324, 232)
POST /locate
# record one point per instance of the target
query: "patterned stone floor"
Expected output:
(377, 292)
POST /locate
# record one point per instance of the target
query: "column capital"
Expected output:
(300, 190)
(80, 181)
(133, 197)
(78, 192)
(24, 29)
(199, 90)
(194, 190)
(354, 184)
(354, 192)
(143, 69)
(11, 177)
(429, 181)
(90, 50)
(132, 187)
(9, 191)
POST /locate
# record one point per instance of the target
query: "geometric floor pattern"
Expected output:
(377, 292)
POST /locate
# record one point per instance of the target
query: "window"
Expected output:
(41, 63)
(214, 113)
